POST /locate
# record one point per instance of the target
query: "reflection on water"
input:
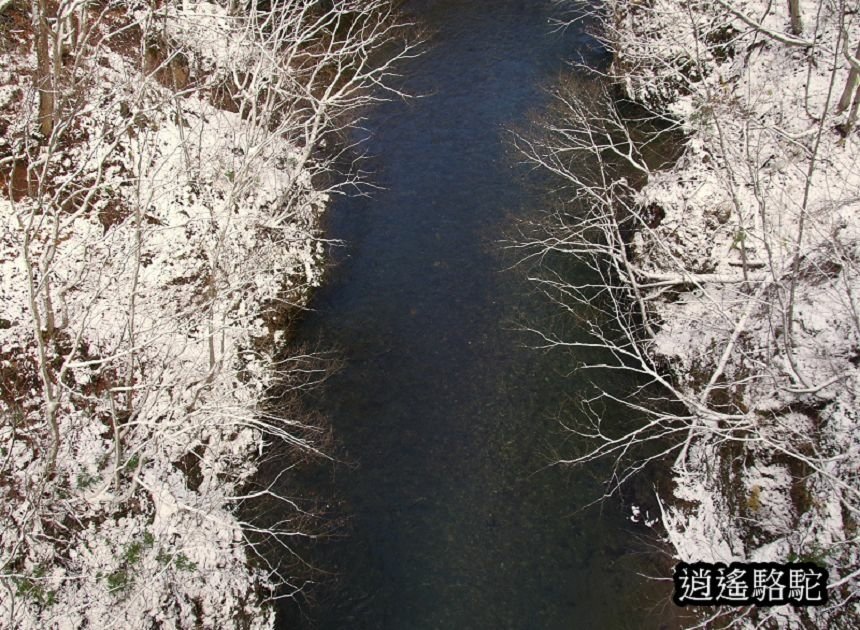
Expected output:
(449, 419)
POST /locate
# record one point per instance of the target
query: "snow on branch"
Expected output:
(723, 278)
(775, 35)
(160, 197)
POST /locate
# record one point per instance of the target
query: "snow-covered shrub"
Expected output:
(157, 205)
(740, 264)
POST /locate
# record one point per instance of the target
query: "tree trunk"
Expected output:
(845, 99)
(43, 78)
(852, 115)
(794, 13)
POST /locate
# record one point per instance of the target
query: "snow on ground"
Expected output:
(766, 194)
(155, 240)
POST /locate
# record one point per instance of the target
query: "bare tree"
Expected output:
(726, 281)
(163, 214)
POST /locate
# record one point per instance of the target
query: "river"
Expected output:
(446, 418)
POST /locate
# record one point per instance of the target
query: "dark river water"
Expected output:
(445, 418)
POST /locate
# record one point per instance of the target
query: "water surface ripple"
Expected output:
(446, 414)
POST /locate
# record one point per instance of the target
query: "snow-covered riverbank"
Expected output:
(728, 275)
(158, 213)
(750, 276)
